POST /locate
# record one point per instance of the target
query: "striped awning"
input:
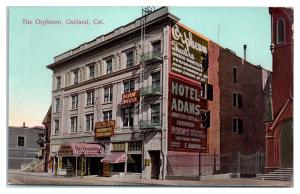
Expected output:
(81, 149)
(114, 158)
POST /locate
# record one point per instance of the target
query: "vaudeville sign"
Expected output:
(189, 54)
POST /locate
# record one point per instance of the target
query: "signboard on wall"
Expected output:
(104, 128)
(185, 130)
(189, 54)
(130, 97)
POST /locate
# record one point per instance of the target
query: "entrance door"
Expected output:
(155, 164)
(286, 144)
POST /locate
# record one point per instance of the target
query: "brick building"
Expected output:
(152, 99)
(23, 145)
(279, 138)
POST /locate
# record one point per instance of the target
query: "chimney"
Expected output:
(24, 125)
(245, 48)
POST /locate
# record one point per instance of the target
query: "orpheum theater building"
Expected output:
(154, 99)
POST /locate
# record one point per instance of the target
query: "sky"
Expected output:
(32, 47)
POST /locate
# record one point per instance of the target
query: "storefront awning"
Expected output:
(114, 158)
(81, 149)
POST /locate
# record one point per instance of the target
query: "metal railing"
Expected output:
(148, 90)
(147, 124)
(151, 57)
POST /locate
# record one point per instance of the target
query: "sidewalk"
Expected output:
(96, 180)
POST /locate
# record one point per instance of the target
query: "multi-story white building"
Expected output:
(88, 86)
(155, 98)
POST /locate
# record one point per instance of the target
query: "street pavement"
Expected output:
(16, 178)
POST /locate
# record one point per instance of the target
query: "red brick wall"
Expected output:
(250, 86)
(282, 77)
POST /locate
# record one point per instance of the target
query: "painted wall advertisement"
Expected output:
(189, 58)
(189, 54)
(185, 131)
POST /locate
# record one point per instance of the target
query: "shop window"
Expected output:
(89, 98)
(118, 147)
(135, 146)
(89, 120)
(119, 167)
(108, 94)
(127, 116)
(134, 163)
(21, 141)
(237, 100)
(280, 31)
(129, 86)
(74, 101)
(155, 113)
(237, 126)
(107, 115)
(73, 124)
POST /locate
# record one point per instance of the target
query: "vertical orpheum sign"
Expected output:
(189, 64)
(189, 54)
(185, 131)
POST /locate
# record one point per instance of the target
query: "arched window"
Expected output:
(280, 31)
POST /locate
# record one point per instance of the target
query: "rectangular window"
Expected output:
(118, 147)
(129, 57)
(75, 74)
(89, 122)
(73, 124)
(237, 100)
(237, 126)
(107, 115)
(127, 117)
(56, 126)
(135, 146)
(156, 47)
(58, 82)
(155, 113)
(234, 74)
(203, 92)
(206, 91)
(92, 71)
(109, 66)
(129, 86)
(155, 79)
(205, 119)
(74, 101)
(90, 98)
(57, 105)
(108, 94)
(21, 141)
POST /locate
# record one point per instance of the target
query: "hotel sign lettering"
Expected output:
(104, 128)
(130, 97)
(189, 54)
(185, 131)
